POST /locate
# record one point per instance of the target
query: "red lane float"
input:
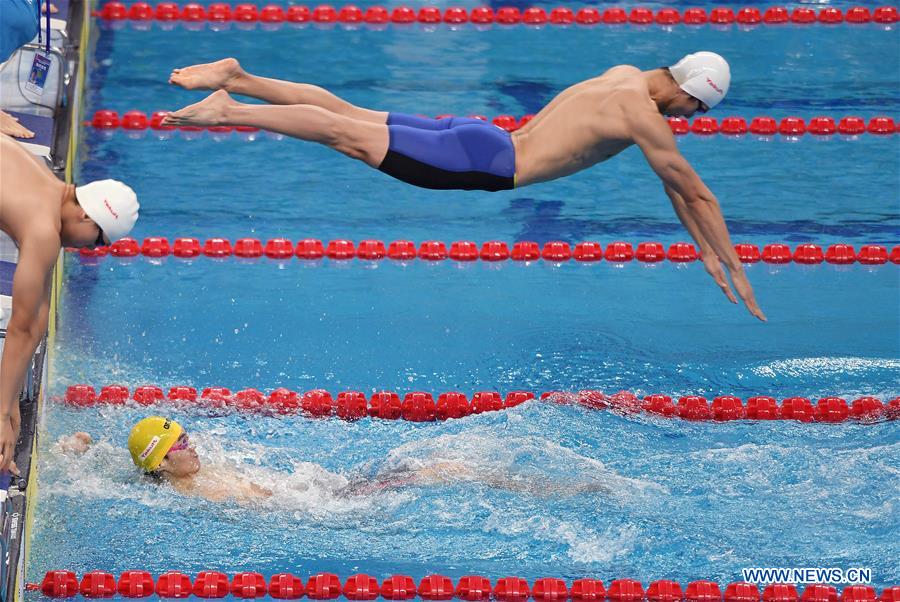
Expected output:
(135, 122)
(272, 14)
(490, 251)
(419, 406)
(327, 586)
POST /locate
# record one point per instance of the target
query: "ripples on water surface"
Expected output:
(590, 493)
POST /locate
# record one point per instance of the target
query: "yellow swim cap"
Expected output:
(150, 440)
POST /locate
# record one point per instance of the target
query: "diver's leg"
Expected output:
(227, 74)
(355, 138)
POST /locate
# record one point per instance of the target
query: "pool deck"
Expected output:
(54, 117)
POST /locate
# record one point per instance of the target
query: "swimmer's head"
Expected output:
(704, 78)
(160, 445)
(103, 212)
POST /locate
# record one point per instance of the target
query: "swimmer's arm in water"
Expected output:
(218, 486)
(258, 491)
(456, 472)
(241, 492)
(652, 134)
(432, 474)
(443, 472)
(450, 472)
(76, 443)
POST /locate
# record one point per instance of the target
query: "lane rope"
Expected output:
(472, 588)
(220, 15)
(420, 406)
(490, 251)
(138, 123)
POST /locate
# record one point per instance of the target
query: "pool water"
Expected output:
(588, 493)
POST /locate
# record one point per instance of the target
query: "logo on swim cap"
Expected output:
(110, 209)
(150, 447)
(714, 86)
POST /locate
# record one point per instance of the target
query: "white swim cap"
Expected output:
(703, 75)
(112, 205)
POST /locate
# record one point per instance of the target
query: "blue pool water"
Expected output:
(594, 493)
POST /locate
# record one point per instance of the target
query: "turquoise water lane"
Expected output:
(541, 489)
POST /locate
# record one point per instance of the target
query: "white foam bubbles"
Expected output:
(525, 464)
(824, 366)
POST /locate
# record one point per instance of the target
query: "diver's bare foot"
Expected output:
(207, 76)
(53, 9)
(10, 126)
(209, 111)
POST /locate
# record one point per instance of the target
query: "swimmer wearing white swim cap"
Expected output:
(43, 214)
(705, 76)
(585, 124)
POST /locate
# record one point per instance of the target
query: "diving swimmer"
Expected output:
(161, 449)
(42, 214)
(585, 124)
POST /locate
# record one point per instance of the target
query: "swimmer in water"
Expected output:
(585, 124)
(161, 449)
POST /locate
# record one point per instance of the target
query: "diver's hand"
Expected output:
(8, 437)
(714, 269)
(745, 292)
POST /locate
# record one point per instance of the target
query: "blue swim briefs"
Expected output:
(455, 153)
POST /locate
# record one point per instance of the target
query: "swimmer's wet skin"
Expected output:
(585, 124)
(160, 448)
(449, 154)
(154, 443)
(42, 214)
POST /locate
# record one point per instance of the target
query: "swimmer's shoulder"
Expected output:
(204, 486)
(612, 77)
(39, 241)
(184, 486)
(622, 81)
(20, 162)
(628, 88)
(623, 70)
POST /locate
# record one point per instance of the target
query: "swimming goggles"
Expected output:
(181, 444)
(702, 108)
